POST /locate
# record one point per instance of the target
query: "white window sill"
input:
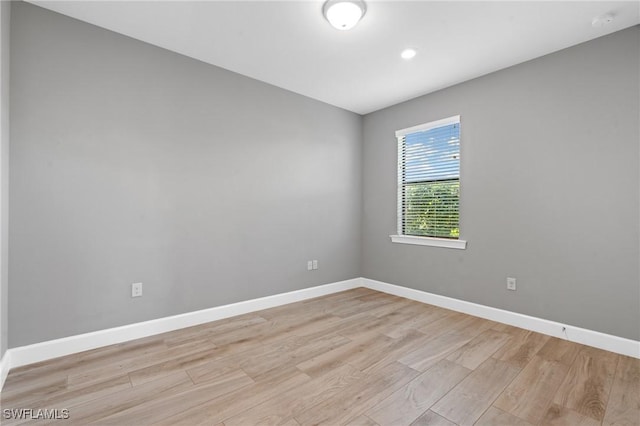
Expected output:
(429, 241)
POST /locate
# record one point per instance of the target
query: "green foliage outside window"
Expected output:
(431, 209)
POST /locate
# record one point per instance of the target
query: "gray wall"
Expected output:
(5, 11)
(549, 185)
(131, 163)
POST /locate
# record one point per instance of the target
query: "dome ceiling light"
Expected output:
(344, 14)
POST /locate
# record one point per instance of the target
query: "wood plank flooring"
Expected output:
(358, 357)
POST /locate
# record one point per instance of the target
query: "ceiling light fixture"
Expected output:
(344, 14)
(408, 53)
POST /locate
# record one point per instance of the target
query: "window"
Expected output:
(429, 184)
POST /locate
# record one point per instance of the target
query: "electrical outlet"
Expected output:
(136, 290)
(315, 264)
(511, 284)
(309, 265)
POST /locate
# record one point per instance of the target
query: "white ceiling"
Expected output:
(290, 45)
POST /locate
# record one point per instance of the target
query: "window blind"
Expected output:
(429, 179)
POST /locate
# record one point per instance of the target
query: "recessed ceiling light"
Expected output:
(408, 53)
(344, 14)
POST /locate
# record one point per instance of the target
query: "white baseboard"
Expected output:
(596, 339)
(37, 352)
(24, 355)
(5, 366)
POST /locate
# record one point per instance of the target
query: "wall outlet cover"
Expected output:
(136, 290)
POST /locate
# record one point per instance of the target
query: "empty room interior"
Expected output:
(342, 212)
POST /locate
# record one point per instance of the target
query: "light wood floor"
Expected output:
(358, 357)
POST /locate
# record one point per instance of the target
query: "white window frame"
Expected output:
(413, 239)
